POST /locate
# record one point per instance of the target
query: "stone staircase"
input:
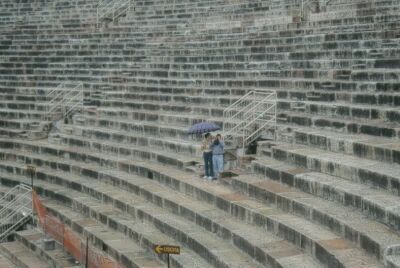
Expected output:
(32, 250)
(125, 173)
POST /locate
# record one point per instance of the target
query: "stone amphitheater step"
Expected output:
(318, 42)
(21, 256)
(15, 123)
(337, 109)
(4, 262)
(363, 146)
(377, 203)
(171, 145)
(381, 175)
(57, 257)
(21, 105)
(343, 110)
(285, 254)
(364, 127)
(327, 200)
(102, 224)
(127, 30)
(132, 249)
(255, 212)
(367, 127)
(10, 132)
(356, 97)
(130, 151)
(181, 120)
(21, 114)
(214, 251)
(148, 127)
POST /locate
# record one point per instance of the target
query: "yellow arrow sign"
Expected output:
(166, 249)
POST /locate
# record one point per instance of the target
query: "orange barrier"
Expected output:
(54, 227)
(39, 208)
(96, 260)
(69, 239)
(74, 245)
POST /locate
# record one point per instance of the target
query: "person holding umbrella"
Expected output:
(206, 148)
(207, 156)
(217, 148)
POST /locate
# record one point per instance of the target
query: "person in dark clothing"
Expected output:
(207, 156)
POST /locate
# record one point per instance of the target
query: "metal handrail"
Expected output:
(238, 101)
(258, 113)
(247, 123)
(257, 118)
(12, 190)
(11, 203)
(252, 104)
(16, 208)
(254, 107)
(111, 7)
(23, 208)
(302, 4)
(64, 97)
(232, 107)
(13, 227)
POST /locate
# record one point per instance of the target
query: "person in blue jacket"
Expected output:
(217, 148)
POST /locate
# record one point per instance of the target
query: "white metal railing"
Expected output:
(301, 7)
(112, 9)
(249, 116)
(63, 100)
(15, 209)
(305, 5)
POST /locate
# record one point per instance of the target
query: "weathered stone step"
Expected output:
(341, 110)
(277, 248)
(33, 239)
(377, 128)
(344, 221)
(21, 114)
(245, 237)
(128, 137)
(173, 119)
(370, 125)
(213, 250)
(146, 123)
(10, 132)
(337, 109)
(105, 237)
(136, 125)
(365, 171)
(21, 256)
(130, 151)
(4, 262)
(372, 201)
(309, 234)
(363, 146)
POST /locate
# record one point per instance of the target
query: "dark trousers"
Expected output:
(208, 165)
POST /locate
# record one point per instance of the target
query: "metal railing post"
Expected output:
(16, 208)
(248, 116)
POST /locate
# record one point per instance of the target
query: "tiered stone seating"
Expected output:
(4, 262)
(206, 205)
(21, 256)
(28, 251)
(324, 194)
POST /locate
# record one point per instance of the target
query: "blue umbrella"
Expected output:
(203, 127)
